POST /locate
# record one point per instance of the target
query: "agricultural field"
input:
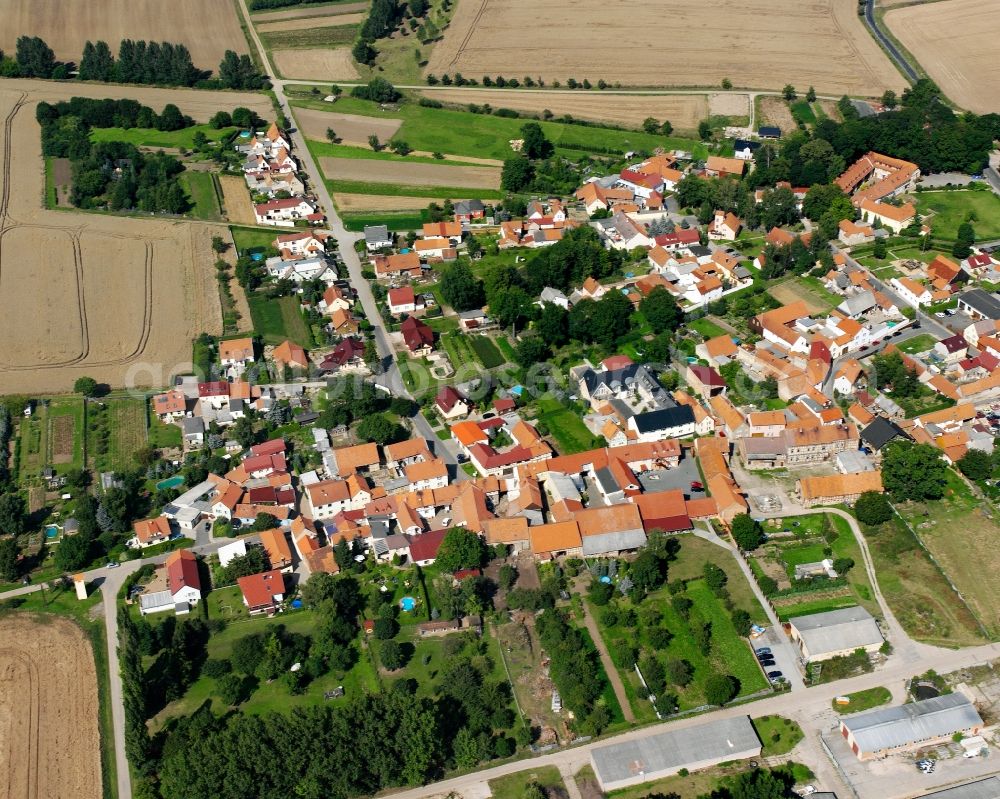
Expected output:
(410, 174)
(944, 211)
(962, 557)
(48, 709)
(206, 27)
(264, 17)
(938, 36)
(350, 128)
(307, 36)
(116, 430)
(236, 199)
(823, 44)
(315, 63)
(311, 23)
(683, 111)
(62, 271)
(775, 111)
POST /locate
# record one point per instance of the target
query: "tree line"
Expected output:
(137, 61)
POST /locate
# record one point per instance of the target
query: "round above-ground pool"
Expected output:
(51, 532)
(408, 603)
(170, 482)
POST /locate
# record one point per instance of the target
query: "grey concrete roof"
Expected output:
(980, 789)
(918, 721)
(613, 542)
(837, 630)
(669, 751)
(158, 599)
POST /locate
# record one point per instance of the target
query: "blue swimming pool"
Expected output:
(408, 603)
(51, 532)
(170, 482)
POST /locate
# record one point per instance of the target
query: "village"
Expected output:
(697, 433)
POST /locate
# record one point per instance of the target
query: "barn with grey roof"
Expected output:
(915, 724)
(821, 636)
(620, 765)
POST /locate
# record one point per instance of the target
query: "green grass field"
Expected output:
(394, 220)
(323, 149)
(125, 421)
(778, 734)
(401, 190)
(803, 112)
(200, 189)
(863, 700)
(706, 327)
(327, 36)
(924, 341)
(487, 352)
(513, 785)
(252, 239)
(485, 136)
(951, 208)
(150, 137)
(808, 606)
(163, 435)
(280, 319)
(565, 426)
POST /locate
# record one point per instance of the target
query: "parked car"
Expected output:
(767, 663)
(774, 676)
(696, 486)
(112, 564)
(762, 651)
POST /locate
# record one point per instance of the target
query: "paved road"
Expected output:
(893, 51)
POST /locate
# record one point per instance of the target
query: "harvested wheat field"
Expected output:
(351, 128)
(730, 105)
(683, 111)
(380, 202)
(938, 36)
(405, 174)
(236, 198)
(315, 64)
(117, 299)
(303, 23)
(756, 43)
(50, 746)
(308, 11)
(207, 27)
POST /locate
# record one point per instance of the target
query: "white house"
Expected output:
(433, 247)
(328, 498)
(377, 237)
(892, 217)
(553, 296)
(659, 425)
(911, 292)
(404, 300)
(284, 213)
(724, 227)
(183, 589)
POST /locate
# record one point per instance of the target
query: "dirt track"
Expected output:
(49, 739)
(755, 43)
(683, 111)
(315, 64)
(207, 27)
(940, 36)
(117, 299)
(351, 128)
(410, 174)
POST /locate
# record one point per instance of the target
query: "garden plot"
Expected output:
(410, 174)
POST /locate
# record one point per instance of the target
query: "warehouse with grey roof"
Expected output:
(980, 789)
(915, 724)
(821, 636)
(628, 763)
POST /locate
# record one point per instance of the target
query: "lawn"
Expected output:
(950, 209)
(253, 239)
(486, 136)
(163, 435)
(200, 190)
(150, 137)
(487, 351)
(924, 341)
(809, 606)
(863, 700)
(512, 786)
(962, 556)
(803, 112)
(695, 552)
(916, 590)
(778, 734)
(565, 426)
(394, 220)
(279, 319)
(706, 327)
